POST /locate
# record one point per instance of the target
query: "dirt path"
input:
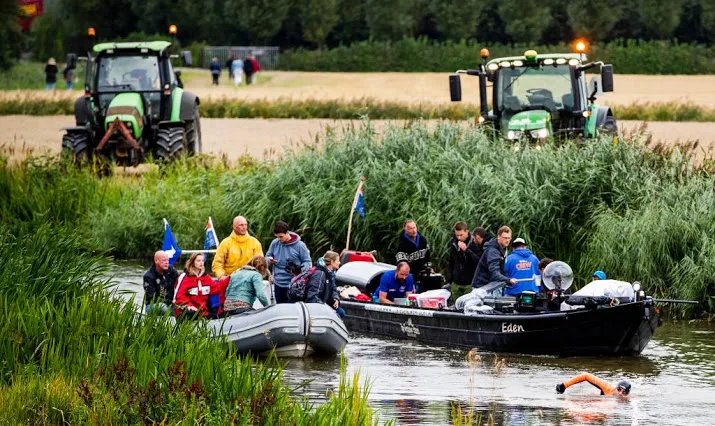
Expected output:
(267, 138)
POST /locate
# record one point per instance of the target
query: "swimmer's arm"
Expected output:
(605, 387)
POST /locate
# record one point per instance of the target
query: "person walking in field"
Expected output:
(51, 74)
(67, 76)
(215, 68)
(237, 69)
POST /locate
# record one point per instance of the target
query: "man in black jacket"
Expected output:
(491, 265)
(413, 248)
(463, 259)
(480, 236)
(159, 283)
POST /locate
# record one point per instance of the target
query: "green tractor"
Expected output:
(537, 97)
(134, 104)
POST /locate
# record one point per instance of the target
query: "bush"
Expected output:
(423, 55)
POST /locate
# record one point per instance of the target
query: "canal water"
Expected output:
(673, 380)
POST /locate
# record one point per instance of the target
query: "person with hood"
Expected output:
(215, 69)
(159, 283)
(246, 286)
(480, 236)
(463, 259)
(522, 265)
(598, 275)
(490, 268)
(51, 74)
(286, 254)
(321, 288)
(235, 250)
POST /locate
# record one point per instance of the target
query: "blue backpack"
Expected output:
(299, 284)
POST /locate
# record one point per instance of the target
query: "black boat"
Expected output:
(621, 329)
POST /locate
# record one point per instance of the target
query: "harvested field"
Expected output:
(262, 139)
(418, 88)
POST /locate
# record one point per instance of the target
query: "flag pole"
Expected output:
(352, 210)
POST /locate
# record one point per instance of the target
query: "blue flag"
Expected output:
(360, 202)
(170, 246)
(211, 240)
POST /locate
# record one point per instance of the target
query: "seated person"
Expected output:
(192, 290)
(622, 388)
(399, 284)
(246, 286)
(159, 284)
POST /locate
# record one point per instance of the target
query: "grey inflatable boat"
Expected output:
(293, 329)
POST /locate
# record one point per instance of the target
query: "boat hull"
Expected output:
(611, 331)
(291, 329)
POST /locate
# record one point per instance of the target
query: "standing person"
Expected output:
(158, 284)
(246, 286)
(215, 68)
(490, 268)
(192, 290)
(237, 69)
(51, 74)
(248, 68)
(321, 288)
(235, 250)
(413, 248)
(256, 68)
(522, 265)
(286, 253)
(481, 236)
(463, 259)
(67, 76)
(395, 285)
(228, 64)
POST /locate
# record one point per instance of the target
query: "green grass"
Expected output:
(31, 76)
(352, 109)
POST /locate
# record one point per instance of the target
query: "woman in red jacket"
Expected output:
(192, 289)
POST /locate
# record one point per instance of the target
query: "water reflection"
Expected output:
(673, 380)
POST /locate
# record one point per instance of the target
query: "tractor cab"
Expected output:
(134, 105)
(536, 97)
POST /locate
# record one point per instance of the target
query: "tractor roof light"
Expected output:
(518, 63)
(505, 64)
(580, 46)
(548, 61)
(493, 66)
(530, 56)
(560, 61)
(586, 113)
(172, 29)
(484, 53)
(91, 32)
(574, 62)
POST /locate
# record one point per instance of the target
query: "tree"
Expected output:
(390, 19)
(260, 20)
(660, 17)
(708, 13)
(351, 25)
(318, 18)
(525, 20)
(10, 36)
(593, 20)
(456, 19)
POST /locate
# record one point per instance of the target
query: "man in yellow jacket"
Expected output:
(235, 250)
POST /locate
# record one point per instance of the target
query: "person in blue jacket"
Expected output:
(288, 255)
(522, 265)
(394, 285)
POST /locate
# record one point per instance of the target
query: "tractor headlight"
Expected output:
(513, 135)
(540, 134)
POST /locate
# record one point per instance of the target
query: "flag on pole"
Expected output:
(170, 246)
(360, 202)
(211, 239)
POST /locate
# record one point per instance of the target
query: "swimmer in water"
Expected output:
(622, 388)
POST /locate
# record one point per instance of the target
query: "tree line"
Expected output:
(329, 23)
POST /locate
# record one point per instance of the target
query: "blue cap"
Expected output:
(600, 274)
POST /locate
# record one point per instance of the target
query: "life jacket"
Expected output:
(193, 292)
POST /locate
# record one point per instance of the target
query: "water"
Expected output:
(673, 380)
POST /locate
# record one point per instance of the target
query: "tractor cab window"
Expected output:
(528, 88)
(128, 73)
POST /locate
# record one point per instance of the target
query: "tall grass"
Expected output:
(69, 353)
(36, 104)
(31, 75)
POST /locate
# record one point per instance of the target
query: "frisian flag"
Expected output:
(360, 202)
(211, 239)
(170, 245)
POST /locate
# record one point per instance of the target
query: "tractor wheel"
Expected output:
(75, 148)
(193, 133)
(170, 143)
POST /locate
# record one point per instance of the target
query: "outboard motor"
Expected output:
(557, 277)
